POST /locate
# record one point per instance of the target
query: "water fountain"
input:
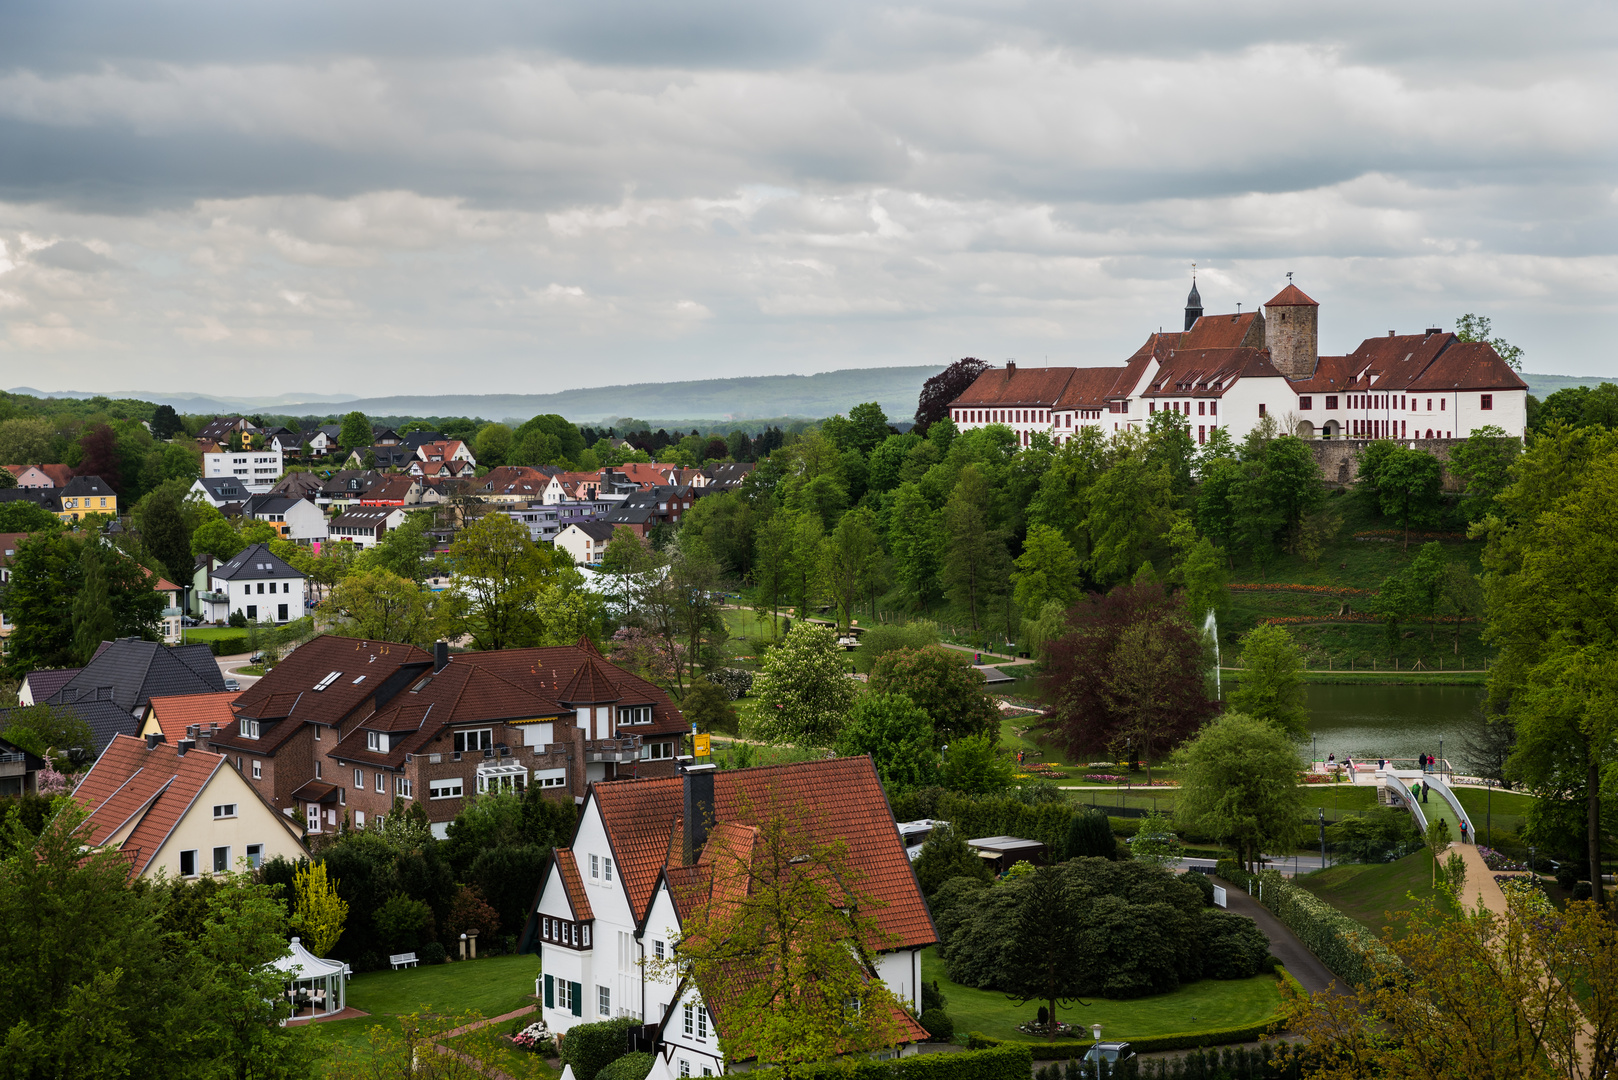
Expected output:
(1210, 626)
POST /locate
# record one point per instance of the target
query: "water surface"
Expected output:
(1367, 720)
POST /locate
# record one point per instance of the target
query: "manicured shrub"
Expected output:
(1233, 947)
(432, 953)
(1089, 836)
(938, 1024)
(628, 1067)
(589, 1048)
(1200, 880)
(932, 997)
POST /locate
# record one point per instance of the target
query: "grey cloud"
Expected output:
(72, 255)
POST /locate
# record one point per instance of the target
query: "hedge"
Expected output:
(228, 646)
(1350, 951)
(1000, 1061)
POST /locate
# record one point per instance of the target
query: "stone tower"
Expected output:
(1291, 332)
(1193, 304)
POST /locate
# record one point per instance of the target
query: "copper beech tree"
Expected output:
(1128, 668)
(777, 932)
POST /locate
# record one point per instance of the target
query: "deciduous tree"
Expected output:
(1271, 685)
(317, 911)
(804, 691)
(897, 735)
(943, 684)
(1047, 571)
(1239, 782)
(499, 571)
(939, 391)
(355, 431)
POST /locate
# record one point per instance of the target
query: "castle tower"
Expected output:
(1193, 303)
(1291, 332)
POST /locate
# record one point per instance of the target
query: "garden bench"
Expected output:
(404, 959)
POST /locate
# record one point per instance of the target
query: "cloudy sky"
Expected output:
(392, 196)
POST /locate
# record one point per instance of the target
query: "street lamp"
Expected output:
(1441, 753)
(1095, 1029)
(1531, 870)
(1323, 838)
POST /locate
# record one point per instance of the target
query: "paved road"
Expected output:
(1311, 974)
(229, 664)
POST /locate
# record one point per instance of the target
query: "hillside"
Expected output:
(1543, 386)
(746, 398)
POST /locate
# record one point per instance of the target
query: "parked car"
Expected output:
(232, 684)
(1112, 1052)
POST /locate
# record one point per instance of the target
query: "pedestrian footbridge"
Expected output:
(1402, 787)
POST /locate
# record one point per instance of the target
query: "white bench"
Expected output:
(404, 959)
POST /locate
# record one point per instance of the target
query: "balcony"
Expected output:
(173, 612)
(622, 750)
(214, 597)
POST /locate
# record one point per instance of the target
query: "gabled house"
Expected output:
(221, 491)
(221, 428)
(438, 470)
(385, 436)
(394, 491)
(259, 584)
(390, 456)
(612, 898)
(727, 476)
(445, 450)
(299, 485)
(342, 727)
(40, 684)
(572, 487)
(188, 716)
(298, 520)
(41, 476)
(345, 487)
(364, 526)
(113, 692)
(85, 495)
(514, 483)
(585, 541)
(416, 439)
(176, 810)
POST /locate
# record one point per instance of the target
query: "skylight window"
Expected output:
(328, 680)
(359, 680)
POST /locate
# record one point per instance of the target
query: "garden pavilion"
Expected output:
(313, 983)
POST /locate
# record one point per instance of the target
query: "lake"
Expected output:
(1365, 720)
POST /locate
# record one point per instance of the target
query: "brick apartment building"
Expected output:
(342, 727)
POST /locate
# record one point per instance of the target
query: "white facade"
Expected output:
(266, 599)
(302, 521)
(258, 470)
(585, 549)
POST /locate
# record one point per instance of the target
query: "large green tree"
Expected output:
(382, 606)
(164, 529)
(1047, 571)
(804, 690)
(897, 735)
(976, 565)
(499, 572)
(355, 431)
(1271, 685)
(41, 599)
(943, 684)
(1239, 782)
(1408, 484)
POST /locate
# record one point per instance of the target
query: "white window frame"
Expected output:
(464, 740)
(606, 869)
(224, 810)
(441, 789)
(255, 855)
(258, 770)
(563, 1002)
(603, 1000)
(193, 852)
(216, 867)
(404, 787)
(359, 779)
(690, 1021)
(595, 867)
(249, 728)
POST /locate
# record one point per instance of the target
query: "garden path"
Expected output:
(1303, 965)
(487, 1070)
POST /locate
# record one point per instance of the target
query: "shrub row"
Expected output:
(999, 1061)
(1273, 1061)
(228, 646)
(1349, 950)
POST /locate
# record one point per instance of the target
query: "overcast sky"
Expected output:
(393, 196)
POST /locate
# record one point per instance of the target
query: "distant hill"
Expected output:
(745, 398)
(1542, 386)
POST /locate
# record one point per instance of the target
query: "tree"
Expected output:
(40, 729)
(803, 691)
(1130, 668)
(1471, 327)
(498, 572)
(1271, 685)
(218, 538)
(100, 457)
(1129, 508)
(1294, 480)
(938, 392)
(493, 444)
(915, 535)
(355, 431)
(945, 855)
(1484, 461)
(23, 516)
(1047, 571)
(977, 765)
(779, 930)
(976, 567)
(898, 737)
(161, 519)
(848, 559)
(706, 706)
(944, 685)
(25, 440)
(1044, 962)
(165, 422)
(1198, 570)
(1408, 484)
(1239, 782)
(92, 608)
(773, 557)
(1156, 843)
(382, 606)
(403, 551)
(317, 911)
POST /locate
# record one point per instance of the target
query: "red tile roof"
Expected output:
(1208, 372)
(1468, 365)
(1009, 385)
(573, 885)
(1088, 388)
(149, 790)
(589, 686)
(839, 798)
(174, 713)
(1225, 332)
(1291, 296)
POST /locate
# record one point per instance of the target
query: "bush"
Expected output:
(234, 645)
(238, 620)
(589, 1048)
(932, 997)
(628, 1067)
(986, 1059)
(736, 681)
(432, 953)
(403, 923)
(1582, 890)
(1233, 947)
(1089, 836)
(1200, 880)
(938, 1024)
(1565, 879)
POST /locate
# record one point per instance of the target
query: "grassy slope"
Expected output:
(489, 987)
(1366, 893)
(1201, 1006)
(1509, 808)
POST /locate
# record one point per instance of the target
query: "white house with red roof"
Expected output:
(1231, 371)
(611, 900)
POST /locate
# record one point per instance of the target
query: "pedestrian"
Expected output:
(1424, 790)
(1422, 760)
(1463, 831)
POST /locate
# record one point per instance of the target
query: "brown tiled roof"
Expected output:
(1291, 296)
(573, 885)
(1208, 372)
(316, 791)
(1225, 332)
(177, 712)
(1332, 375)
(60, 475)
(1468, 365)
(8, 545)
(1040, 387)
(149, 789)
(839, 798)
(1392, 363)
(1088, 388)
(589, 686)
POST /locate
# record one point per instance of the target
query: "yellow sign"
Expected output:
(703, 745)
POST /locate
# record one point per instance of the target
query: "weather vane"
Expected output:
(1289, 277)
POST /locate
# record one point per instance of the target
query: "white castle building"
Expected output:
(1231, 371)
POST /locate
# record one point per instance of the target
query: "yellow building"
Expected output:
(85, 495)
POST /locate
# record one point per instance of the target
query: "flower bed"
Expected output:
(1322, 590)
(1495, 860)
(535, 1038)
(1104, 778)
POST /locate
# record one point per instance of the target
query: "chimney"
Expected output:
(152, 739)
(1431, 330)
(183, 745)
(1011, 368)
(698, 783)
(440, 655)
(1392, 334)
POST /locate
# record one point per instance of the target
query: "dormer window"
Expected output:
(377, 741)
(249, 728)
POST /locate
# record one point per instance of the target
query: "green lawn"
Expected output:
(1201, 1006)
(1509, 808)
(488, 987)
(1367, 892)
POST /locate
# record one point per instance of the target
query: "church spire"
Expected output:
(1193, 302)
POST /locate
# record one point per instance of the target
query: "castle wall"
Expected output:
(1339, 459)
